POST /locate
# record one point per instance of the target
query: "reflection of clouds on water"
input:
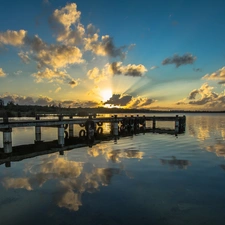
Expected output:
(210, 131)
(71, 177)
(180, 163)
(218, 148)
(205, 127)
(115, 155)
(17, 183)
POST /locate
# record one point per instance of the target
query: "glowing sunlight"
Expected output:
(106, 94)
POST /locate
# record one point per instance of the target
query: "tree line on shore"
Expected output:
(15, 110)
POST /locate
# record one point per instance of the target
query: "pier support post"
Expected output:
(7, 140)
(37, 134)
(153, 123)
(71, 128)
(61, 135)
(177, 124)
(115, 126)
(37, 131)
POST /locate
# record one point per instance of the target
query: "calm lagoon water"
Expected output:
(141, 179)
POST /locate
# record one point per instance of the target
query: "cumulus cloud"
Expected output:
(14, 38)
(193, 94)
(56, 75)
(180, 60)
(58, 56)
(105, 47)
(218, 75)
(129, 101)
(97, 75)
(67, 15)
(17, 99)
(24, 57)
(116, 68)
(35, 43)
(119, 100)
(140, 102)
(63, 19)
(133, 70)
(2, 73)
(44, 100)
(205, 97)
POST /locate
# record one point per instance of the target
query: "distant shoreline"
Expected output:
(31, 111)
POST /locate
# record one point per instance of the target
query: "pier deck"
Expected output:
(119, 125)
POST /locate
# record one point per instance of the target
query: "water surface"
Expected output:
(141, 179)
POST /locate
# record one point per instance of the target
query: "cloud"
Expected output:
(58, 89)
(218, 75)
(14, 38)
(18, 72)
(67, 15)
(35, 43)
(17, 99)
(97, 75)
(62, 20)
(193, 94)
(154, 67)
(140, 102)
(119, 100)
(55, 75)
(180, 60)
(129, 101)
(205, 97)
(133, 70)
(105, 47)
(44, 100)
(58, 56)
(2, 73)
(116, 68)
(24, 57)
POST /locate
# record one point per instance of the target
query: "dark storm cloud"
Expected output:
(180, 60)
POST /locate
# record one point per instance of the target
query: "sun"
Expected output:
(106, 94)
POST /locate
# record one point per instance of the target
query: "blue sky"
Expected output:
(131, 54)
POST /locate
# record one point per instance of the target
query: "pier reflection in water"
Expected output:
(146, 178)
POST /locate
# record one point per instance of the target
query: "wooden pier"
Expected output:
(119, 125)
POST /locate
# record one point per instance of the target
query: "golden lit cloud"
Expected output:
(67, 15)
(97, 75)
(2, 73)
(105, 47)
(218, 75)
(15, 38)
(58, 56)
(56, 75)
(204, 96)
